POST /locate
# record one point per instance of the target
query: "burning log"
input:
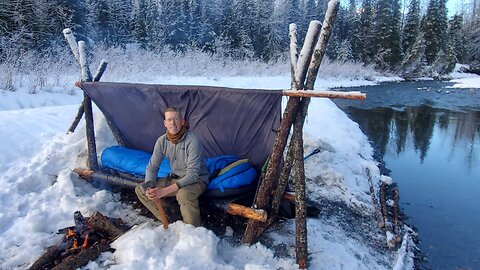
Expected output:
(82, 258)
(82, 243)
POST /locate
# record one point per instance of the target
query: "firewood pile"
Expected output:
(83, 242)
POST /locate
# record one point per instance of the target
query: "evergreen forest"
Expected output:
(409, 37)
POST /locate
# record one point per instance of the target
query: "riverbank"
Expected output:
(39, 193)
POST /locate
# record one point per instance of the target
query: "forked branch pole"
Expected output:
(79, 51)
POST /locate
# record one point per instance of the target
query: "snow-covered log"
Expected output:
(378, 212)
(326, 94)
(86, 74)
(67, 33)
(293, 54)
(306, 53)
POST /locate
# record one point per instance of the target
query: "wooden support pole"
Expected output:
(92, 161)
(87, 76)
(282, 183)
(100, 70)
(300, 199)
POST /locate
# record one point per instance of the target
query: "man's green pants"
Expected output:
(187, 198)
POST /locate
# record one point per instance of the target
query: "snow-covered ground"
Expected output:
(39, 193)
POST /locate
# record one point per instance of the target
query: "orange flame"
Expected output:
(70, 233)
(75, 244)
(85, 242)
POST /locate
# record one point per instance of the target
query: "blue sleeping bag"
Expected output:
(131, 161)
(226, 172)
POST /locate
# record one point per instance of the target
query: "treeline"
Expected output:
(409, 40)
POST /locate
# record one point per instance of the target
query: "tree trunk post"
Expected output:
(92, 161)
(301, 247)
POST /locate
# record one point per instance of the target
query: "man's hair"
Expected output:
(173, 109)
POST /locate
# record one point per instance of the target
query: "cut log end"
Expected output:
(247, 212)
(83, 173)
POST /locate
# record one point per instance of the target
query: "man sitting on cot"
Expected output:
(189, 174)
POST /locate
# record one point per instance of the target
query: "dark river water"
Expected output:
(428, 135)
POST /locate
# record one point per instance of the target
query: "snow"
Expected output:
(39, 193)
(464, 80)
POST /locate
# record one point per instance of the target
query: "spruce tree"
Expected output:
(366, 32)
(266, 40)
(353, 31)
(176, 24)
(140, 22)
(339, 34)
(428, 28)
(412, 26)
(388, 36)
(472, 28)
(458, 37)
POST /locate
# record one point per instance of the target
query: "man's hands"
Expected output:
(157, 193)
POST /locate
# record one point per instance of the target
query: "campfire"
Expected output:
(81, 243)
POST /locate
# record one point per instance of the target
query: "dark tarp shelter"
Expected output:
(241, 122)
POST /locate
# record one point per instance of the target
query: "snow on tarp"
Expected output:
(228, 121)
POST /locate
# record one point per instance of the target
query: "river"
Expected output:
(428, 136)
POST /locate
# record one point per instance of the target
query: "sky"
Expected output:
(39, 193)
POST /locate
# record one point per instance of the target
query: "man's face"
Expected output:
(173, 122)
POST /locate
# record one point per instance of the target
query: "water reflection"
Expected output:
(428, 137)
(391, 129)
